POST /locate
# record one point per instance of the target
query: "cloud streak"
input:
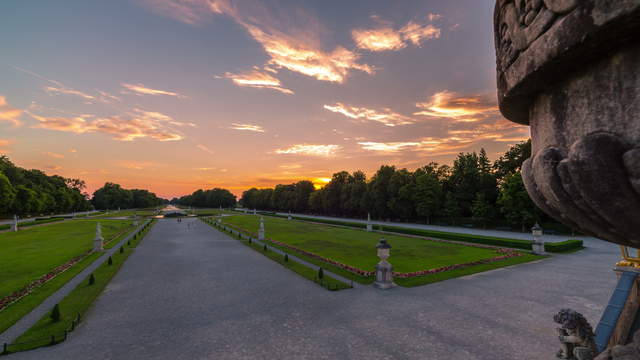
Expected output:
(384, 116)
(123, 128)
(446, 104)
(247, 127)
(256, 79)
(8, 113)
(140, 89)
(310, 150)
(5, 146)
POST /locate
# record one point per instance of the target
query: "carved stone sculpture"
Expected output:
(570, 70)
(630, 351)
(575, 335)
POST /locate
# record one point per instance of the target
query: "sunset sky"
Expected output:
(176, 95)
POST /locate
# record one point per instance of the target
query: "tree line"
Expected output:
(473, 189)
(32, 192)
(212, 198)
(112, 196)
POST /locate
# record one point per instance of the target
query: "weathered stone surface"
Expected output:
(571, 70)
(627, 352)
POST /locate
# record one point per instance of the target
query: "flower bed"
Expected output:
(504, 254)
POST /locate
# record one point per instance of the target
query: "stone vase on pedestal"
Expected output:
(384, 270)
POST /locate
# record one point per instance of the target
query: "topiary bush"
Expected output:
(55, 313)
(121, 249)
(320, 274)
(265, 247)
(92, 279)
(110, 262)
(286, 258)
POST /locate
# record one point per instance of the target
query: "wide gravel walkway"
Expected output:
(190, 292)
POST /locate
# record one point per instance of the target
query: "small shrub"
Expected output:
(320, 273)
(129, 242)
(110, 262)
(265, 247)
(92, 279)
(121, 249)
(286, 258)
(55, 313)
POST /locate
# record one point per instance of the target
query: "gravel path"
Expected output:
(24, 324)
(191, 292)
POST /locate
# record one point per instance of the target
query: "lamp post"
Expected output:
(538, 242)
(384, 270)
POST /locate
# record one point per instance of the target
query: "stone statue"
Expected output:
(14, 226)
(576, 336)
(98, 241)
(261, 231)
(369, 225)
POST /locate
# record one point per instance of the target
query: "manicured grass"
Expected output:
(128, 213)
(432, 278)
(22, 307)
(358, 248)
(77, 302)
(30, 223)
(28, 254)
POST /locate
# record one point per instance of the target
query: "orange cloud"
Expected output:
(387, 146)
(140, 89)
(385, 38)
(446, 104)
(53, 155)
(312, 150)
(382, 39)
(8, 113)
(121, 128)
(257, 79)
(5, 146)
(384, 116)
(247, 127)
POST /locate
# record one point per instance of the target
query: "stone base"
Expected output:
(384, 285)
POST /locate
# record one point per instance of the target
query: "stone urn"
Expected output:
(571, 70)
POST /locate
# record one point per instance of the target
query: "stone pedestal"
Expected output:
(369, 224)
(384, 275)
(98, 241)
(14, 226)
(538, 247)
(261, 231)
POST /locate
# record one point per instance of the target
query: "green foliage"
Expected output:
(30, 192)
(286, 257)
(265, 247)
(320, 273)
(113, 196)
(511, 161)
(110, 261)
(515, 203)
(481, 209)
(213, 198)
(55, 313)
(92, 279)
(567, 245)
(121, 249)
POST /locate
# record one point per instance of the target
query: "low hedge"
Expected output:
(567, 245)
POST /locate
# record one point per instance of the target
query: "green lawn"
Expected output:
(77, 302)
(128, 213)
(357, 248)
(30, 253)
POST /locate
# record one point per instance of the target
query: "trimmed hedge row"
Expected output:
(562, 246)
(30, 223)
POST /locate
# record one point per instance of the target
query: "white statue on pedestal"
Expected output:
(261, 232)
(369, 225)
(98, 241)
(14, 227)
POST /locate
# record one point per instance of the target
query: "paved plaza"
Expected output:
(191, 292)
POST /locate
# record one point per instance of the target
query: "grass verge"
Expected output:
(75, 305)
